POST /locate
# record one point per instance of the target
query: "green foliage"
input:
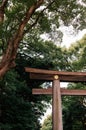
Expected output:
(45, 24)
(47, 124)
(19, 108)
(74, 109)
(69, 12)
(76, 54)
(43, 54)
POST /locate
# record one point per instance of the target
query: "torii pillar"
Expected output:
(56, 77)
(56, 105)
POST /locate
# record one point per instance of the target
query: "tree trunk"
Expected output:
(8, 58)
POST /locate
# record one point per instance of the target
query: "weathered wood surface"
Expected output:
(48, 75)
(71, 92)
(56, 106)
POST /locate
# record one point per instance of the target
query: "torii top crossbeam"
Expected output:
(48, 75)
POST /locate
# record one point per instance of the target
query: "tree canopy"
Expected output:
(18, 20)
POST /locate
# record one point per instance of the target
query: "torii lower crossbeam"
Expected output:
(63, 91)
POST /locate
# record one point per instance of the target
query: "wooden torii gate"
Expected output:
(56, 77)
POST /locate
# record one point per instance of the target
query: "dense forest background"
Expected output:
(21, 26)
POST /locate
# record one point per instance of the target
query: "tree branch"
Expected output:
(9, 56)
(2, 8)
(39, 15)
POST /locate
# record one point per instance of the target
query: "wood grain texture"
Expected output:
(56, 106)
(48, 75)
(48, 91)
